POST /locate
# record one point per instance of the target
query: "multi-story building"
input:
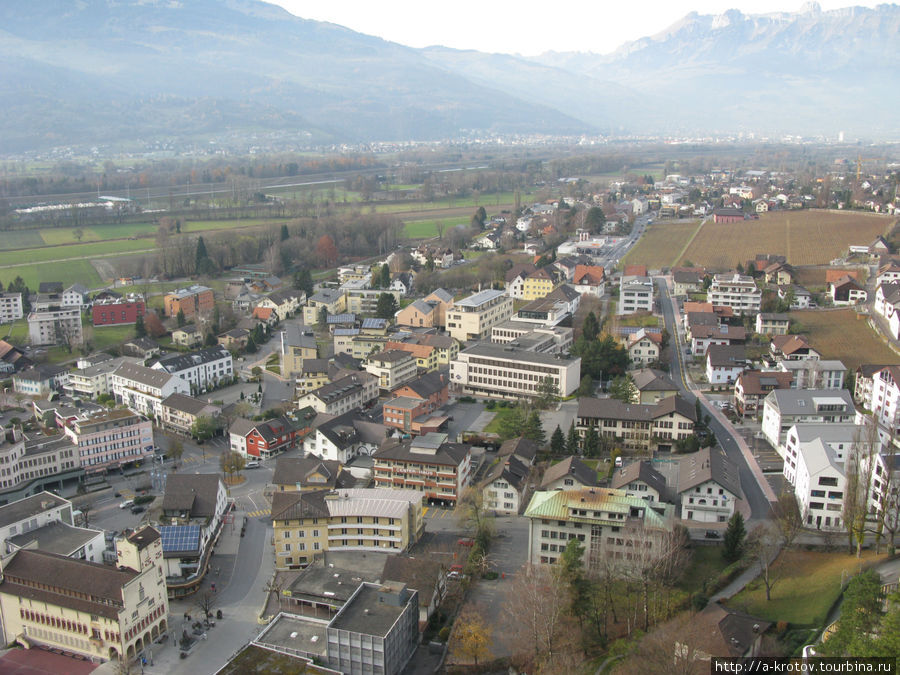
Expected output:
(285, 302)
(261, 440)
(297, 346)
(752, 386)
(113, 309)
(503, 489)
(472, 318)
(613, 526)
(419, 313)
(94, 380)
(187, 336)
(737, 291)
(298, 474)
(203, 370)
(725, 363)
(179, 413)
(330, 299)
(30, 513)
(344, 394)
(111, 439)
(55, 326)
(504, 371)
(639, 428)
(31, 466)
(192, 301)
(11, 307)
(392, 368)
(531, 337)
(40, 380)
(99, 612)
(342, 438)
(884, 398)
(643, 347)
(414, 403)
(538, 284)
(365, 300)
(47, 522)
(75, 295)
(814, 373)
(783, 408)
(143, 389)
(309, 522)
(635, 295)
(773, 324)
(428, 463)
(709, 485)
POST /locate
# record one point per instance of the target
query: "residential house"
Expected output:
(427, 463)
(635, 295)
(799, 297)
(640, 479)
(40, 380)
(773, 324)
(402, 283)
(473, 317)
(331, 300)
(778, 273)
(350, 392)
(709, 485)
(887, 304)
(180, 413)
(792, 348)
(265, 439)
(504, 487)
(864, 380)
(884, 400)
(302, 474)
(307, 523)
(420, 313)
(719, 631)
(392, 368)
(515, 279)
(285, 303)
(643, 347)
(143, 389)
(589, 280)
(203, 370)
(524, 449)
(539, 283)
(192, 301)
(783, 408)
(187, 336)
(737, 291)
(569, 474)
(508, 372)
(815, 374)
(342, 438)
(94, 380)
(143, 348)
(752, 386)
(637, 427)
(75, 295)
(705, 336)
(725, 363)
(652, 385)
(847, 291)
(687, 280)
(626, 523)
(235, 339)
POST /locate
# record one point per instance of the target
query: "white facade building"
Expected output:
(10, 307)
(507, 372)
(736, 291)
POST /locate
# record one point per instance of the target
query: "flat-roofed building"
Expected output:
(635, 295)
(111, 439)
(428, 463)
(507, 372)
(473, 317)
(309, 522)
(11, 308)
(41, 463)
(62, 539)
(297, 346)
(783, 408)
(55, 325)
(191, 301)
(737, 291)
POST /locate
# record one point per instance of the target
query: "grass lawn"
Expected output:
(16, 333)
(258, 660)
(500, 414)
(68, 272)
(20, 239)
(706, 563)
(662, 244)
(810, 584)
(843, 335)
(104, 337)
(38, 255)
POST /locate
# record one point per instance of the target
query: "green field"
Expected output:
(68, 272)
(104, 337)
(424, 229)
(39, 255)
(20, 239)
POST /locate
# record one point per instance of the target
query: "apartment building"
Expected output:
(265, 439)
(613, 526)
(298, 474)
(203, 370)
(347, 393)
(40, 380)
(737, 291)
(100, 612)
(883, 398)
(330, 299)
(365, 300)
(307, 523)
(533, 337)
(180, 412)
(392, 368)
(192, 301)
(814, 373)
(783, 408)
(111, 439)
(31, 466)
(773, 324)
(709, 486)
(503, 489)
(75, 295)
(473, 317)
(343, 437)
(428, 464)
(508, 372)
(113, 309)
(643, 347)
(11, 307)
(415, 401)
(539, 283)
(639, 428)
(143, 389)
(55, 325)
(635, 295)
(297, 346)
(752, 386)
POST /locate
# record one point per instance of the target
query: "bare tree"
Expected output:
(860, 467)
(763, 546)
(675, 648)
(888, 507)
(206, 603)
(536, 603)
(788, 517)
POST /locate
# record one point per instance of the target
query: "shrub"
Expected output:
(699, 601)
(143, 499)
(444, 633)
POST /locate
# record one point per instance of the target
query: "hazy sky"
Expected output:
(523, 27)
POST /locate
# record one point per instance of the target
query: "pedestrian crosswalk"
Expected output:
(259, 512)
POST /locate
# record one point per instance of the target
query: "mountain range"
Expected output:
(125, 71)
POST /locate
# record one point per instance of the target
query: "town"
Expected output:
(626, 418)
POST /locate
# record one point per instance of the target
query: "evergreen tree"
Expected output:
(251, 347)
(572, 440)
(586, 386)
(285, 235)
(591, 442)
(735, 534)
(386, 307)
(179, 318)
(303, 281)
(139, 329)
(210, 339)
(591, 328)
(534, 429)
(385, 276)
(623, 389)
(201, 252)
(557, 441)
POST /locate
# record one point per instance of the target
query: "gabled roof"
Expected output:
(296, 505)
(726, 356)
(611, 408)
(643, 471)
(588, 275)
(832, 276)
(634, 271)
(563, 292)
(175, 363)
(441, 294)
(511, 469)
(649, 379)
(755, 382)
(709, 464)
(187, 404)
(637, 336)
(297, 471)
(520, 447)
(448, 454)
(427, 384)
(193, 492)
(570, 466)
(143, 375)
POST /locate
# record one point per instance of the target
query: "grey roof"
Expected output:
(29, 507)
(297, 471)
(726, 356)
(178, 362)
(442, 294)
(314, 366)
(611, 408)
(187, 404)
(709, 464)
(296, 505)
(522, 447)
(513, 470)
(448, 454)
(803, 401)
(334, 391)
(427, 384)
(55, 537)
(424, 307)
(513, 354)
(643, 471)
(340, 430)
(650, 379)
(326, 296)
(296, 337)
(366, 613)
(570, 466)
(564, 292)
(374, 324)
(193, 492)
(146, 376)
(390, 356)
(340, 318)
(480, 298)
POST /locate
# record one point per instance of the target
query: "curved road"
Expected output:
(757, 492)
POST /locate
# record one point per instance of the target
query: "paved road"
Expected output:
(754, 492)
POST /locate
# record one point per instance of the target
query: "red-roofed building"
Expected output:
(589, 279)
(265, 314)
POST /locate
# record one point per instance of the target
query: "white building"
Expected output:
(55, 326)
(75, 295)
(504, 487)
(10, 307)
(884, 398)
(344, 394)
(473, 317)
(143, 389)
(508, 372)
(203, 370)
(736, 291)
(635, 295)
(783, 408)
(94, 380)
(709, 486)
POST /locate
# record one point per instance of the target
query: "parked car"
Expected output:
(126, 504)
(138, 509)
(252, 464)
